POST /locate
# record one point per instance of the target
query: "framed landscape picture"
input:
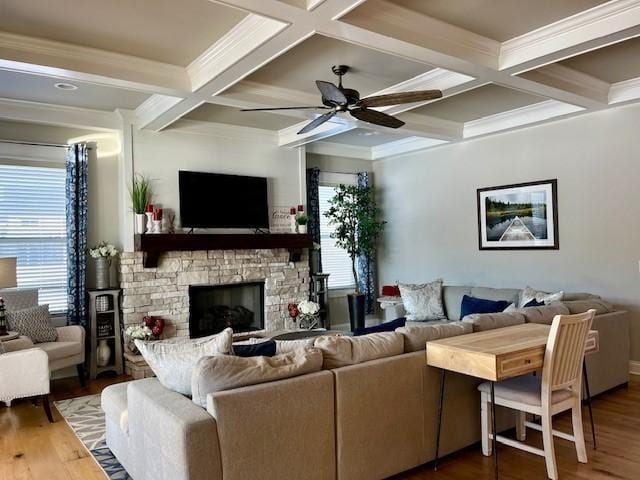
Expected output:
(519, 217)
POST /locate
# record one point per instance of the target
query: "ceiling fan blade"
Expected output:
(281, 108)
(331, 93)
(376, 117)
(398, 98)
(317, 122)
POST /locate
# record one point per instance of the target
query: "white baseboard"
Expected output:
(634, 367)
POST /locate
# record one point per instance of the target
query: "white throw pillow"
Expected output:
(423, 302)
(173, 360)
(224, 372)
(529, 294)
(339, 351)
(288, 346)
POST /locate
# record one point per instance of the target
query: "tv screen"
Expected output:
(213, 200)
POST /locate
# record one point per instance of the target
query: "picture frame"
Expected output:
(521, 216)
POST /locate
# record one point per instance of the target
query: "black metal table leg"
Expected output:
(495, 430)
(443, 374)
(586, 386)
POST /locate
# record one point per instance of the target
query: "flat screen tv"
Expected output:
(213, 200)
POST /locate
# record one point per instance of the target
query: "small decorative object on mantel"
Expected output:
(4, 328)
(522, 216)
(140, 194)
(151, 328)
(103, 253)
(280, 220)
(302, 219)
(168, 221)
(292, 219)
(308, 314)
(149, 214)
(157, 220)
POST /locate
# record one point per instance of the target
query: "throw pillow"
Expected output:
(173, 360)
(34, 322)
(471, 305)
(383, 327)
(224, 372)
(423, 302)
(533, 303)
(529, 294)
(288, 346)
(339, 351)
(259, 349)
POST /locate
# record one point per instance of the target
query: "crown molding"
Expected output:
(340, 150)
(151, 108)
(251, 32)
(519, 117)
(44, 113)
(223, 130)
(404, 145)
(595, 23)
(625, 91)
(73, 62)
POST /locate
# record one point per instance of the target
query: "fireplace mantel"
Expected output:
(155, 244)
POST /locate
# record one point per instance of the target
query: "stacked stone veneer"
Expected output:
(164, 291)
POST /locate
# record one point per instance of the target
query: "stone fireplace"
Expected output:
(165, 290)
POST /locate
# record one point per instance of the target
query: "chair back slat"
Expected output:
(565, 350)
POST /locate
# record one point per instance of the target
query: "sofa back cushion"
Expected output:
(544, 314)
(579, 306)
(173, 360)
(341, 351)
(452, 297)
(489, 321)
(416, 336)
(225, 372)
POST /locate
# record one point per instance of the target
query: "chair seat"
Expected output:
(57, 350)
(526, 389)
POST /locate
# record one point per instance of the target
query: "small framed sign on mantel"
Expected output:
(280, 220)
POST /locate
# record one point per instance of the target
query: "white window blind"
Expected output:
(335, 260)
(33, 229)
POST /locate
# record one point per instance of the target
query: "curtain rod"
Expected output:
(39, 144)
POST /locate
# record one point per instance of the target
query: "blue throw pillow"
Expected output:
(383, 327)
(534, 303)
(262, 349)
(481, 305)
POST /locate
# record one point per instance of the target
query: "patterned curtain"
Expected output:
(76, 192)
(366, 264)
(313, 209)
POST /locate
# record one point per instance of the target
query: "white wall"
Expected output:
(429, 200)
(161, 155)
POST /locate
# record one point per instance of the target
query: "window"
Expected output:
(335, 260)
(33, 229)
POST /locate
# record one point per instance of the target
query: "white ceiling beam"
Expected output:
(404, 145)
(42, 113)
(625, 91)
(340, 150)
(289, 137)
(599, 26)
(19, 53)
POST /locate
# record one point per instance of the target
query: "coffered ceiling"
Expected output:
(501, 64)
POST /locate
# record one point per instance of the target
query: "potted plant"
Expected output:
(302, 220)
(140, 193)
(355, 216)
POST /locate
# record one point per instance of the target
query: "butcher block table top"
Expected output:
(497, 354)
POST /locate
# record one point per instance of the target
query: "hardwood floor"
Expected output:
(33, 449)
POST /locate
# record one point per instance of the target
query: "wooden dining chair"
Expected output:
(557, 390)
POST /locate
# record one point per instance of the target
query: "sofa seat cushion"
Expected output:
(339, 351)
(579, 306)
(544, 314)
(114, 404)
(525, 389)
(226, 372)
(58, 350)
(489, 321)
(416, 336)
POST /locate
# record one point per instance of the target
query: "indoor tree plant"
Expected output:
(140, 193)
(355, 217)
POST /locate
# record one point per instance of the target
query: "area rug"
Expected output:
(85, 417)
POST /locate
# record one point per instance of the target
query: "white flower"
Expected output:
(307, 307)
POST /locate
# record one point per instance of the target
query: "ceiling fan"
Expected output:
(340, 99)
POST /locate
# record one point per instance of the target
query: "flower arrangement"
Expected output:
(103, 249)
(308, 313)
(150, 328)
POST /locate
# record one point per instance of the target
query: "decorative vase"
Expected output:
(141, 221)
(302, 229)
(102, 273)
(157, 226)
(356, 310)
(103, 353)
(149, 222)
(102, 303)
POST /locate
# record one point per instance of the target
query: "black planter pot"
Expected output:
(356, 310)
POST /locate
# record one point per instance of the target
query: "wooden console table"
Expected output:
(496, 355)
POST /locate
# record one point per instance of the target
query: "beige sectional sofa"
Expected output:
(367, 421)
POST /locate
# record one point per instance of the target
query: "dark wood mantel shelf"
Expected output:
(154, 245)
